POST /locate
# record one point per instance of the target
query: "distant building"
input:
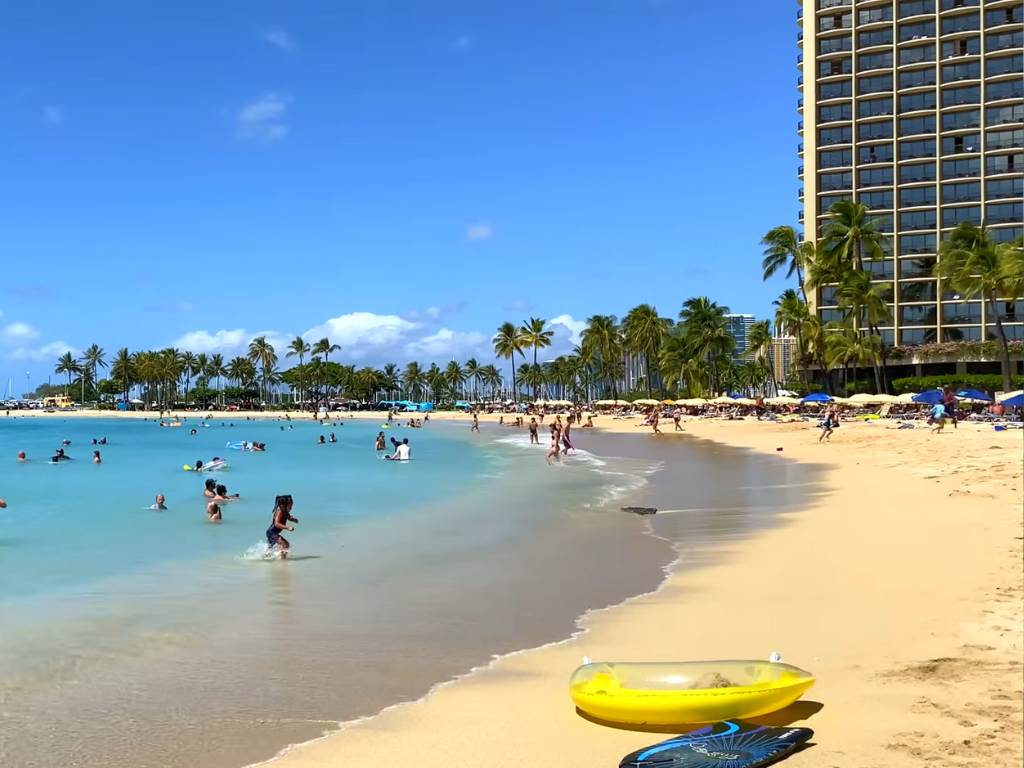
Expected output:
(784, 354)
(739, 328)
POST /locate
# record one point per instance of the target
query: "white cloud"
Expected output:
(264, 119)
(446, 343)
(479, 231)
(18, 334)
(570, 325)
(53, 115)
(358, 332)
(279, 38)
(44, 354)
(218, 341)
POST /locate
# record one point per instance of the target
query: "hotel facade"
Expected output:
(915, 108)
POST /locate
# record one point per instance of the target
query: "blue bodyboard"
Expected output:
(728, 744)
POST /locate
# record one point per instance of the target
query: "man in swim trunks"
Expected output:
(402, 451)
(566, 441)
(534, 439)
(282, 515)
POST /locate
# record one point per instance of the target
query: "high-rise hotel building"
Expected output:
(916, 109)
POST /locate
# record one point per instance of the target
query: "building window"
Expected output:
(1002, 189)
(843, 66)
(871, 61)
(1005, 139)
(828, 182)
(1004, 164)
(961, 334)
(834, 44)
(1005, 65)
(833, 112)
(965, 46)
(962, 312)
(1011, 113)
(1005, 89)
(1004, 213)
(961, 168)
(964, 70)
(922, 291)
(953, 216)
(911, 220)
(916, 7)
(918, 54)
(1003, 40)
(876, 153)
(1011, 14)
(834, 21)
(968, 118)
(952, 97)
(917, 172)
(874, 37)
(881, 200)
(827, 201)
(910, 268)
(835, 158)
(913, 102)
(962, 192)
(965, 142)
(963, 23)
(913, 196)
(947, 5)
(875, 177)
(875, 107)
(919, 31)
(868, 131)
(874, 15)
(828, 136)
(919, 315)
(922, 243)
(874, 84)
(910, 126)
(910, 150)
(835, 90)
(917, 77)
(917, 335)
(1006, 234)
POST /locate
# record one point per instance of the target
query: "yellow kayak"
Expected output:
(685, 692)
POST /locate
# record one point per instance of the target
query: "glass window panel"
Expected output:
(914, 125)
(1001, 189)
(874, 84)
(1011, 113)
(962, 70)
(880, 200)
(946, 5)
(835, 44)
(961, 334)
(919, 243)
(875, 177)
(917, 315)
(882, 36)
(965, 46)
(962, 192)
(917, 77)
(839, 66)
(842, 135)
(914, 149)
(953, 216)
(912, 196)
(912, 102)
(835, 90)
(962, 23)
(830, 21)
(1004, 65)
(917, 336)
(831, 181)
(917, 172)
(1004, 213)
(872, 15)
(959, 168)
(917, 31)
(918, 219)
(1011, 14)
(918, 291)
(879, 130)
(831, 112)
(962, 312)
(876, 153)
(968, 118)
(1004, 164)
(915, 7)
(875, 107)
(1006, 234)
(1000, 41)
(916, 267)
(1004, 89)
(965, 142)
(835, 158)
(970, 94)
(917, 54)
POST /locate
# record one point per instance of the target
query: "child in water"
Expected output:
(281, 516)
(213, 512)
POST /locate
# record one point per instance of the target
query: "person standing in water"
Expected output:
(213, 512)
(534, 438)
(282, 515)
(476, 423)
(566, 441)
(556, 436)
(381, 445)
(160, 505)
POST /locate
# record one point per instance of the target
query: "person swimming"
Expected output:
(332, 438)
(281, 516)
(60, 456)
(402, 451)
(321, 441)
(96, 458)
(210, 488)
(213, 512)
(21, 456)
(221, 493)
(159, 505)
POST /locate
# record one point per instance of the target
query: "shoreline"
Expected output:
(887, 697)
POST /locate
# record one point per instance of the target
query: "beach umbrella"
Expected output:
(542, 401)
(605, 403)
(1013, 399)
(668, 402)
(929, 397)
(906, 397)
(783, 400)
(817, 397)
(863, 398)
(622, 402)
(745, 401)
(723, 400)
(974, 394)
(646, 401)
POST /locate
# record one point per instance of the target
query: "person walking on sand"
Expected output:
(829, 423)
(937, 419)
(676, 418)
(556, 436)
(655, 418)
(281, 516)
(949, 403)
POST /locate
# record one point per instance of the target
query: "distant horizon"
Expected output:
(402, 183)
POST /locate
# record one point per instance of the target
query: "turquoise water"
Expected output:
(134, 637)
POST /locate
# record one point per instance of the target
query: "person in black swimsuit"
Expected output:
(282, 515)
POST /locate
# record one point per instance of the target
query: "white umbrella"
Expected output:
(783, 400)
(745, 401)
(646, 401)
(906, 397)
(723, 400)
(606, 403)
(692, 401)
(863, 398)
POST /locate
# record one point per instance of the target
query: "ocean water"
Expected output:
(142, 638)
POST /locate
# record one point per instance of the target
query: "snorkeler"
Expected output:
(282, 515)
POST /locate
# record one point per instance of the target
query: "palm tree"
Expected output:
(216, 368)
(472, 369)
(189, 366)
(490, 377)
(455, 378)
(390, 380)
(602, 344)
(414, 380)
(67, 365)
(850, 234)
(532, 375)
(783, 249)
(123, 371)
(535, 334)
(261, 352)
(759, 347)
(299, 347)
(644, 331)
(325, 347)
(508, 342)
(435, 380)
(974, 264)
(866, 303)
(848, 346)
(707, 336)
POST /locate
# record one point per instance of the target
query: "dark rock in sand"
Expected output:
(640, 510)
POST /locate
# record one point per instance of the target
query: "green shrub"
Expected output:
(988, 382)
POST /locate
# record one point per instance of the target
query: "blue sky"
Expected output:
(402, 176)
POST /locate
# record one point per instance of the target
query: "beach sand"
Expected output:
(900, 587)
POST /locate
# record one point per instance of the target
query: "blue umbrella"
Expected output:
(1017, 401)
(974, 394)
(817, 397)
(931, 397)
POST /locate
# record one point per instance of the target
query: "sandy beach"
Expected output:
(899, 587)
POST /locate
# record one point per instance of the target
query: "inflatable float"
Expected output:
(211, 466)
(685, 692)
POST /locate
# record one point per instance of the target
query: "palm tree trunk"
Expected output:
(1003, 343)
(800, 280)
